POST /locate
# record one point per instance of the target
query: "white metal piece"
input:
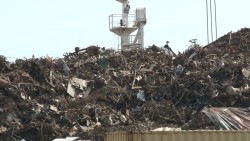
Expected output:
(141, 14)
(70, 90)
(67, 139)
(166, 129)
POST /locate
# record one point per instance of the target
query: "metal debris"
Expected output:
(138, 89)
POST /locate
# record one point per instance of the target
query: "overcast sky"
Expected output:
(53, 27)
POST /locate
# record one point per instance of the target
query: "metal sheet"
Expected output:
(229, 118)
(180, 136)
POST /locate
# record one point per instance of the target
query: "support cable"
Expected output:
(211, 18)
(207, 22)
(215, 13)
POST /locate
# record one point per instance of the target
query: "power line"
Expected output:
(207, 23)
(211, 18)
(211, 13)
(215, 17)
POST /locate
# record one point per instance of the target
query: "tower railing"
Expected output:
(114, 20)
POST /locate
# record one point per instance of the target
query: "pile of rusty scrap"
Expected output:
(96, 90)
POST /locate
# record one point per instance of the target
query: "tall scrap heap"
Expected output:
(93, 91)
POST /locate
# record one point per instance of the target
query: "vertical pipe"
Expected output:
(124, 14)
(211, 18)
(215, 13)
(207, 22)
(124, 35)
(122, 38)
(118, 42)
(142, 34)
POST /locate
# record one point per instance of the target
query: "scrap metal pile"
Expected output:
(93, 90)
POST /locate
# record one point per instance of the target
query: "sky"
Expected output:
(54, 27)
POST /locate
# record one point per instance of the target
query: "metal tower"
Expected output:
(125, 24)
